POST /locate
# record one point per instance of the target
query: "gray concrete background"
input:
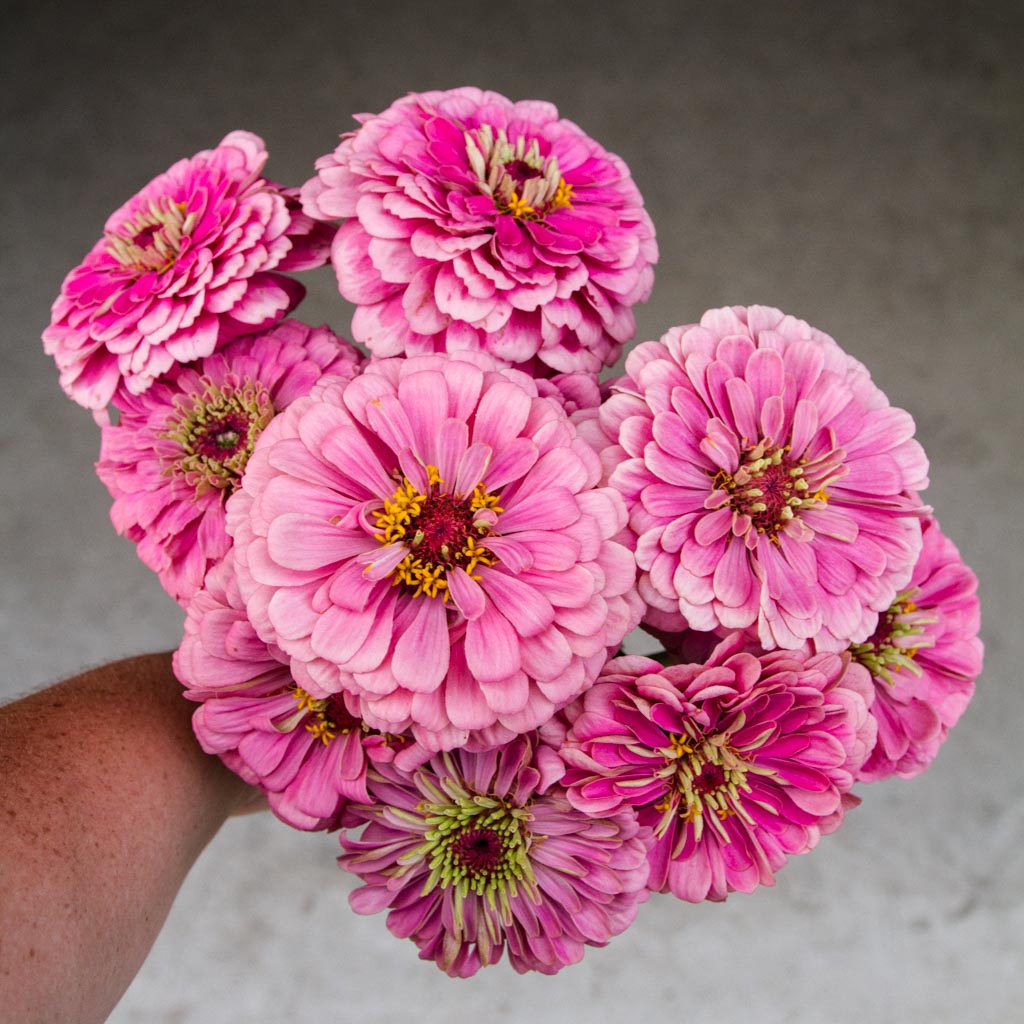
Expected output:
(860, 165)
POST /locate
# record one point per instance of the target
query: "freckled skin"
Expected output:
(106, 801)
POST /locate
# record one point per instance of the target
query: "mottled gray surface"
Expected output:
(859, 165)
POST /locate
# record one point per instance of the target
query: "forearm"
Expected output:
(105, 802)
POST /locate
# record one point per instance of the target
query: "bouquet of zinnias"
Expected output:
(407, 576)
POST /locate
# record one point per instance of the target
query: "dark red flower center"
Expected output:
(144, 238)
(478, 850)
(521, 172)
(216, 429)
(523, 183)
(151, 240)
(338, 715)
(223, 436)
(705, 779)
(776, 486)
(710, 778)
(769, 488)
(440, 530)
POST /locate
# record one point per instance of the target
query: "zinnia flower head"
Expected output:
(189, 262)
(479, 223)
(308, 756)
(923, 659)
(735, 763)
(179, 450)
(429, 537)
(475, 853)
(769, 482)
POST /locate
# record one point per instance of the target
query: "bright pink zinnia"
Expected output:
(479, 223)
(769, 481)
(179, 450)
(735, 764)
(183, 266)
(473, 853)
(309, 756)
(430, 538)
(923, 658)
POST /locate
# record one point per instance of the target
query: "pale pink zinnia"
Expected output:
(923, 659)
(186, 264)
(308, 756)
(179, 450)
(479, 223)
(430, 538)
(735, 764)
(475, 853)
(769, 481)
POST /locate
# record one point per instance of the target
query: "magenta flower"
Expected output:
(429, 537)
(188, 263)
(308, 756)
(179, 450)
(769, 481)
(478, 223)
(923, 659)
(473, 853)
(735, 764)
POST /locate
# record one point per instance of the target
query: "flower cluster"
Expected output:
(407, 575)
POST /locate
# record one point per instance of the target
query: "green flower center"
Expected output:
(216, 431)
(476, 844)
(900, 634)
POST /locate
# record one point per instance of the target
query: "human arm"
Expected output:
(106, 800)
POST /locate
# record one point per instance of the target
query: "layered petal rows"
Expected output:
(734, 764)
(473, 854)
(186, 264)
(923, 660)
(769, 481)
(429, 538)
(308, 756)
(482, 224)
(179, 450)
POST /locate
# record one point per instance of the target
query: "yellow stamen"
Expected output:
(563, 196)
(323, 730)
(518, 207)
(397, 521)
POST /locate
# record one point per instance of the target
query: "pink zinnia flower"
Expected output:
(576, 391)
(473, 853)
(179, 450)
(770, 483)
(735, 764)
(309, 756)
(923, 659)
(479, 223)
(430, 538)
(182, 267)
